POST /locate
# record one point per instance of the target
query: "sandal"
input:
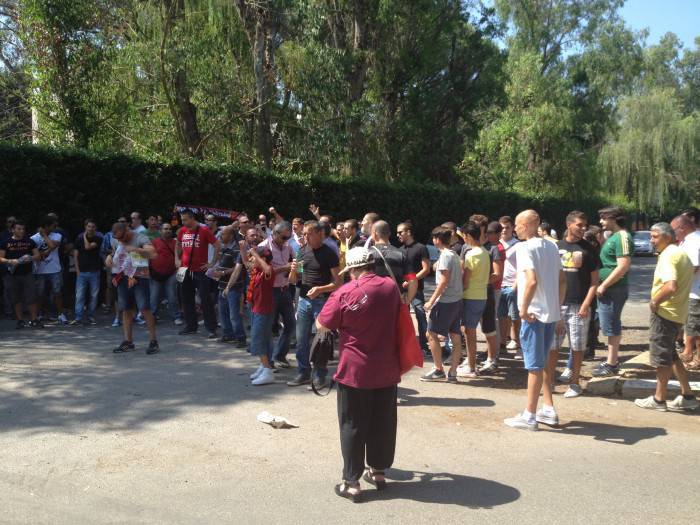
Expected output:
(345, 490)
(371, 478)
(693, 365)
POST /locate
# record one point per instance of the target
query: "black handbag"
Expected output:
(320, 354)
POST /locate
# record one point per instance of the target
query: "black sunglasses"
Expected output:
(286, 237)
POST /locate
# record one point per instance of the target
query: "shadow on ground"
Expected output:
(612, 433)
(449, 489)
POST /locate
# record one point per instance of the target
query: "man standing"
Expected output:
(136, 222)
(153, 230)
(163, 278)
(419, 264)
(352, 235)
(282, 258)
(508, 315)
(444, 307)
(88, 266)
(234, 290)
(318, 266)
(366, 227)
(580, 263)
(192, 252)
(670, 291)
(230, 250)
(6, 234)
(541, 288)
(395, 259)
(689, 239)
(18, 252)
(130, 254)
(615, 259)
(48, 270)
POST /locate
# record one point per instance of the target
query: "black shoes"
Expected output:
(300, 379)
(20, 324)
(282, 362)
(187, 331)
(153, 347)
(125, 346)
(211, 335)
(36, 324)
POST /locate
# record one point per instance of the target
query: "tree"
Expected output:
(654, 159)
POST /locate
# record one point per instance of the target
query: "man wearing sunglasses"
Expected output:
(282, 257)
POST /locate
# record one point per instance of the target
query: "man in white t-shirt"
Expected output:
(541, 285)
(137, 223)
(48, 270)
(689, 240)
(508, 317)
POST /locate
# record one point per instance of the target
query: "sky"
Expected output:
(681, 17)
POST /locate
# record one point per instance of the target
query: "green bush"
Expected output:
(76, 185)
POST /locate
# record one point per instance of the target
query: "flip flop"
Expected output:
(343, 490)
(693, 365)
(369, 478)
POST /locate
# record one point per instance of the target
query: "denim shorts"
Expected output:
(536, 340)
(610, 306)
(445, 318)
(662, 341)
(471, 312)
(508, 304)
(261, 334)
(52, 280)
(136, 297)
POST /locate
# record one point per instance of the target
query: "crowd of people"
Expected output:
(524, 287)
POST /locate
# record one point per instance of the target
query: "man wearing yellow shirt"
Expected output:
(669, 310)
(477, 270)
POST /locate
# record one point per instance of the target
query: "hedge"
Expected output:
(77, 184)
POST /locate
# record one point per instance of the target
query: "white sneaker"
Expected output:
(519, 421)
(573, 391)
(547, 417)
(179, 322)
(466, 371)
(257, 372)
(488, 367)
(518, 355)
(651, 404)
(265, 377)
(565, 376)
(512, 345)
(681, 403)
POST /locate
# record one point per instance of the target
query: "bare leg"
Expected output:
(18, 312)
(534, 386)
(663, 374)
(515, 331)
(689, 351)
(434, 344)
(504, 328)
(576, 370)
(549, 372)
(456, 351)
(492, 347)
(265, 361)
(613, 348)
(33, 310)
(128, 324)
(682, 376)
(150, 322)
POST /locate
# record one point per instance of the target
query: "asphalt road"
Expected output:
(88, 436)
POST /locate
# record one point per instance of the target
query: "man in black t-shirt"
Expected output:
(419, 264)
(8, 308)
(88, 265)
(18, 252)
(581, 264)
(318, 266)
(395, 259)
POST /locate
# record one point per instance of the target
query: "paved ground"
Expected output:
(88, 436)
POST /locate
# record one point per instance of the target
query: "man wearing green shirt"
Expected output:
(615, 259)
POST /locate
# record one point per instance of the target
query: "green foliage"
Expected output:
(77, 185)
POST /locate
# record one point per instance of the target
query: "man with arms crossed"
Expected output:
(541, 290)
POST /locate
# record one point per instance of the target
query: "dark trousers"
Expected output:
(284, 307)
(367, 420)
(199, 282)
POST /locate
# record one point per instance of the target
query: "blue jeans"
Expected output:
(230, 315)
(284, 308)
(610, 306)
(85, 280)
(307, 311)
(167, 288)
(261, 334)
(421, 319)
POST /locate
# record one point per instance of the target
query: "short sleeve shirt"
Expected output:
(416, 253)
(619, 244)
(131, 263)
(691, 246)
(478, 262)
(510, 267)
(542, 257)
(89, 260)
(673, 265)
(397, 261)
(16, 249)
(449, 262)
(280, 257)
(579, 260)
(52, 263)
(317, 266)
(194, 257)
(365, 312)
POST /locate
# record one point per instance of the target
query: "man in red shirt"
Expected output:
(192, 252)
(163, 278)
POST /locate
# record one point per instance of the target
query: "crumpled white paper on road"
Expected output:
(275, 421)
